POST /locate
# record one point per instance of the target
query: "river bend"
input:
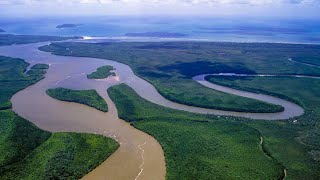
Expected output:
(140, 156)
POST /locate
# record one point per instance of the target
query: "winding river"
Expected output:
(307, 64)
(140, 156)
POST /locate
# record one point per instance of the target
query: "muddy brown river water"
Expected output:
(140, 156)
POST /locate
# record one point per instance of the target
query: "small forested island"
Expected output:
(61, 26)
(86, 97)
(102, 72)
(157, 34)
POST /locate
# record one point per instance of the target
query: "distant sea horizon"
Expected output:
(258, 30)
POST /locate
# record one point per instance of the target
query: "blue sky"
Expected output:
(212, 8)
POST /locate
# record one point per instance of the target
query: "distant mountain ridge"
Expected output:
(157, 34)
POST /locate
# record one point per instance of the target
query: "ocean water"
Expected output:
(195, 28)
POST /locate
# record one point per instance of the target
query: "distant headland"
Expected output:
(157, 34)
(61, 26)
(1, 30)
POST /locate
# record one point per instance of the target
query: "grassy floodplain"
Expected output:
(87, 97)
(102, 73)
(305, 91)
(199, 146)
(170, 67)
(27, 152)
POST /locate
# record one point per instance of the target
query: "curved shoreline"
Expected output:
(140, 155)
(291, 110)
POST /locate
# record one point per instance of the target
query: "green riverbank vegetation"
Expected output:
(205, 146)
(28, 152)
(170, 68)
(13, 78)
(198, 146)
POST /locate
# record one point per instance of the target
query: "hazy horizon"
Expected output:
(288, 9)
(292, 21)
